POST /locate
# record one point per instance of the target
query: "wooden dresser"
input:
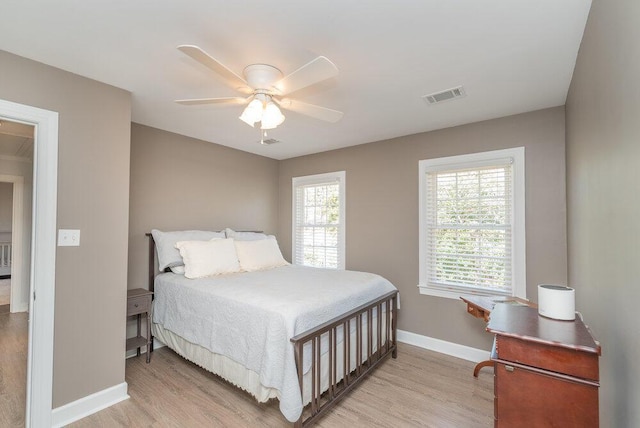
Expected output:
(546, 371)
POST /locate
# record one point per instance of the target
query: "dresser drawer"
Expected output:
(553, 358)
(138, 305)
(533, 399)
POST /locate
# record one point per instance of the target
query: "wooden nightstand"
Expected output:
(138, 303)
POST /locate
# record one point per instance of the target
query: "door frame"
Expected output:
(43, 258)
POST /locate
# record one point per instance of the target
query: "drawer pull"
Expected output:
(509, 368)
(136, 305)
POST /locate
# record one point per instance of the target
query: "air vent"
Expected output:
(449, 94)
(269, 141)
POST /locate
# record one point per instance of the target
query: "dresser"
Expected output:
(139, 304)
(546, 371)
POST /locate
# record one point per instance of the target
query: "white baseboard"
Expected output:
(449, 348)
(20, 307)
(88, 405)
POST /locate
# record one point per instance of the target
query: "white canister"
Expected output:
(557, 302)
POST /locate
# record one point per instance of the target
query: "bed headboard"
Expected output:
(152, 257)
(152, 260)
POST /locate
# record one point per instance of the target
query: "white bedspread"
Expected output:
(251, 317)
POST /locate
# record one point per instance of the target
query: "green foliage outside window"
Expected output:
(319, 229)
(471, 234)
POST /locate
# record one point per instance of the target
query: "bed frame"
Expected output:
(366, 331)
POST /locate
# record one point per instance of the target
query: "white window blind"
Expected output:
(318, 220)
(469, 226)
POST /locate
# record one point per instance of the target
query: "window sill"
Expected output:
(451, 293)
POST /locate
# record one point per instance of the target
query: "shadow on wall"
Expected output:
(6, 213)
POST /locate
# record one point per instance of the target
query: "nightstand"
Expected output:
(138, 303)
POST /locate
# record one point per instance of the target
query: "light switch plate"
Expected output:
(68, 238)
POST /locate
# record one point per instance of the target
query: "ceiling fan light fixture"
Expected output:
(252, 113)
(263, 82)
(271, 116)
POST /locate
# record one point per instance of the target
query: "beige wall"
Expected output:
(182, 183)
(6, 208)
(603, 183)
(382, 210)
(93, 196)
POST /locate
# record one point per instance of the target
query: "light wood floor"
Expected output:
(13, 368)
(419, 388)
(5, 291)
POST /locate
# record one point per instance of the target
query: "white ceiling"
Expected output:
(16, 141)
(512, 56)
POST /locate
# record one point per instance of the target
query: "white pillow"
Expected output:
(244, 236)
(259, 254)
(168, 255)
(207, 258)
(177, 269)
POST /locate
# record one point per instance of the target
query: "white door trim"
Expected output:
(43, 258)
(17, 281)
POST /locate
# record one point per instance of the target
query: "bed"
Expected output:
(288, 332)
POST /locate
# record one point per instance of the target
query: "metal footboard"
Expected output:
(345, 374)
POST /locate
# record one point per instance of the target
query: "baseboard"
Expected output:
(88, 405)
(20, 307)
(449, 348)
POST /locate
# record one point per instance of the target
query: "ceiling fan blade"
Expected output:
(229, 77)
(227, 100)
(317, 112)
(313, 72)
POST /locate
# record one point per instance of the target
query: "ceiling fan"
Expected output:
(264, 87)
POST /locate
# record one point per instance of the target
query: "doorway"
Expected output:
(41, 269)
(6, 214)
(16, 172)
(16, 190)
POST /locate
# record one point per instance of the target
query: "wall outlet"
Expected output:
(68, 238)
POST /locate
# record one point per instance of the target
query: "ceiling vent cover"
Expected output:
(269, 141)
(449, 94)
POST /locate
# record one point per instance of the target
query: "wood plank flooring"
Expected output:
(419, 389)
(13, 368)
(5, 291)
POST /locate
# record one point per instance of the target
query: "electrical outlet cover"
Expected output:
(68, 238)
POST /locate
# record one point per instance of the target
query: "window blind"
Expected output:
(318, 224)
(469, 214)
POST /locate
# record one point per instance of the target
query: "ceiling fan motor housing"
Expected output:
(262, 77)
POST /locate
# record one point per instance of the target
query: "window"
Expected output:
(318, 220)
(472, 229)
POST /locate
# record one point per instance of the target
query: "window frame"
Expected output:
(320, 179)
(518, 235)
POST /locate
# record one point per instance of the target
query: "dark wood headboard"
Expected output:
(152, 260)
